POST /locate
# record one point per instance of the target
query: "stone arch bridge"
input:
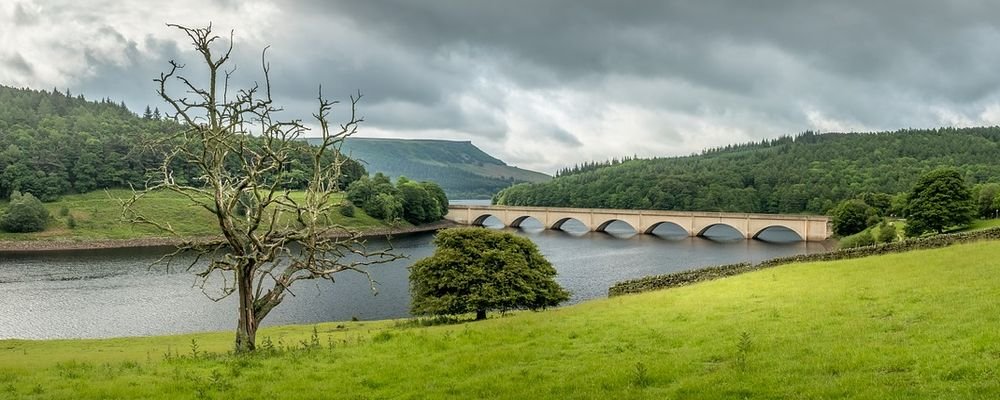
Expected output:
(695, 223)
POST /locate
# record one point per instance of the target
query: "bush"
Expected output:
(478, 270)
(347, 209)
(852, 216)
(859, 240)
(886, 233)
(24, 214)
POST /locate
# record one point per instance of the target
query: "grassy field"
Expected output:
(913, 325)
(97, 216)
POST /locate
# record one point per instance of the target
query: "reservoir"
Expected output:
(112, 293)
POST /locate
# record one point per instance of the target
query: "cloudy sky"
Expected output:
(545, 84)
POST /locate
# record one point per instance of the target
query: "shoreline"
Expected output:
(32, 246)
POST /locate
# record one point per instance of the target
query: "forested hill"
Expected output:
(808, 173)
(462, 169)
(54, 143)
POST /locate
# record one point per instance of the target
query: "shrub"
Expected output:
(886, 233)
(859, 240)
(24, 214)
(347, 209)
(852, 216)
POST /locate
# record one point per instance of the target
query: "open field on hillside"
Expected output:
(96, 216)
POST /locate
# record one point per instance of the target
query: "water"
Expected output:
(110, 293)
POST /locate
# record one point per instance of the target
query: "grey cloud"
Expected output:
(759, 69)
(560, 135)
(19, 64)
(24, 17)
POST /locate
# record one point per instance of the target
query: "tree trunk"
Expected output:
(246, 328)
(480, 315)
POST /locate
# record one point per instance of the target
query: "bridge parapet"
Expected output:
(695, 223)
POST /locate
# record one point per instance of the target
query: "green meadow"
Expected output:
(922, 324)
(97, 216)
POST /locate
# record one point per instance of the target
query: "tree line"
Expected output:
(806, 173)
(54, 143)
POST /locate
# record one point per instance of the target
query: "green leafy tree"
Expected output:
(985, 196)
(385, 206)
(852, 216)
(478, 270)
(438, 193)
(939, 200)
(886, 233)
(24, 214)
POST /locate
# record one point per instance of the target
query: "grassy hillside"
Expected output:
(809, 173)
(462, 169)
(96, 216)
(912, 325)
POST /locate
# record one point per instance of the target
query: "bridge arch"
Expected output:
(481, 220)
(516, 223)
(797, 232)
(560, 222)
(649, 230)
(706, 228)
(603, 227)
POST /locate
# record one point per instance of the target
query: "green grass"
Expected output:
(980, 224)
(914, 325)
(97, 217)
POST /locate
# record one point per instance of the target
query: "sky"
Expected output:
(546, 84)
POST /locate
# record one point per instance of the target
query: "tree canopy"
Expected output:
(478, 270)
(852, 216)
(53, 143)
(415, 202)
(25, 213)
(939, 200)
(808, 173)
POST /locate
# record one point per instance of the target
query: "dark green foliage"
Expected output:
(25, 213)
(677, 279)
(385, 206)
(415, 202)
(419, 205)
(881, 202)
(478, 270)
(52, 144)
(886, 233)
(852, 216)
(808, 173)
(860, 240)
(939, 200)
(463, 170)
(346, 209)
(987, 199)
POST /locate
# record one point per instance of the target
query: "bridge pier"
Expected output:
(808, 227)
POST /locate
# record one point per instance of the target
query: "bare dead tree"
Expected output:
(269, 237)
